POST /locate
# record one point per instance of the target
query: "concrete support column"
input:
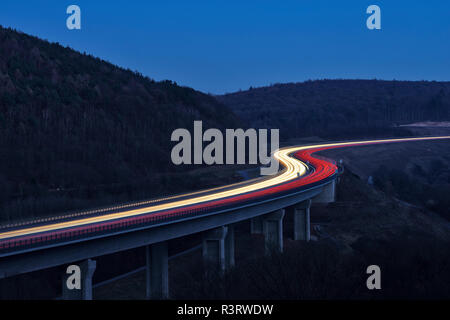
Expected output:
(229, 248)
(157, 271)
(256, 225)
(82, 274)
(328, 193)
(302, 225)
(213, 248)
(273, 231)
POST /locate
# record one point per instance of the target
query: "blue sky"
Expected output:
(223, 46)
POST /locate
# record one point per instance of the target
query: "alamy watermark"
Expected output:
(74, 20)
(374, 280)
(190, 150)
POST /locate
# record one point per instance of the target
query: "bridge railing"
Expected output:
(84, 232)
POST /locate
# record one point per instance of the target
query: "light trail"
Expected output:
(294, 171)
(292, 166)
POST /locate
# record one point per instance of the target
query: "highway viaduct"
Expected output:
(264, 203)
(266, 217)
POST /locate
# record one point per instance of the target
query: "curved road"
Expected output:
(301, 170)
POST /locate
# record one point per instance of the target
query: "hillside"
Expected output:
(341, 108)
(420, 176)
(75, 129)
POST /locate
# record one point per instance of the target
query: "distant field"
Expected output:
(406, 157)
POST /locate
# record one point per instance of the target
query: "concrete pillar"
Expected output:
(273, 231)
(256, 225)
(328, 193)
(157, 271)
(213, 248)
(85, 273)
(229, 248)
(302, 224)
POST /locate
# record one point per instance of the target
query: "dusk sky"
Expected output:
(223, 46)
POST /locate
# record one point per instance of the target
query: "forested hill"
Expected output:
(71, 121)
(333, 108)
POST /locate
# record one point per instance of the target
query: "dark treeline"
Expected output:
(74, 127)
(341, 108)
